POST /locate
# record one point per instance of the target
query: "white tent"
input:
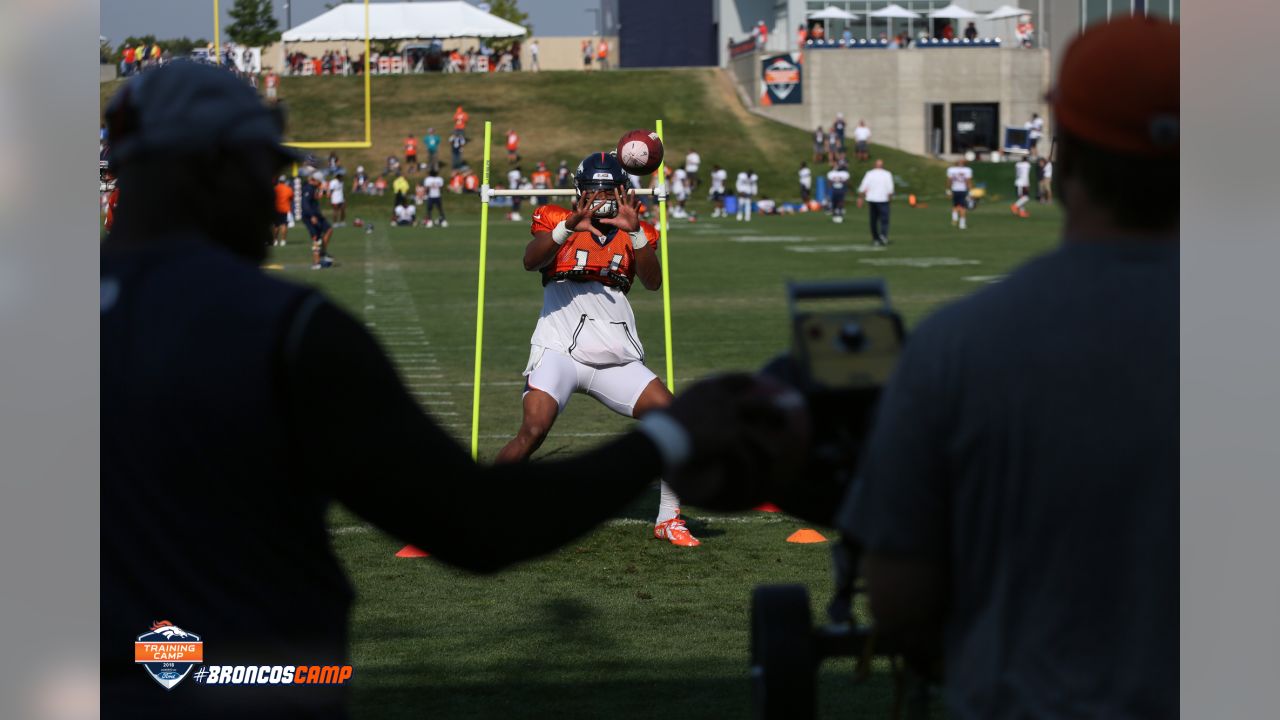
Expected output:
(831, 12)
(1006, 11)
(953, 12)
(404, 21)
(893, 10)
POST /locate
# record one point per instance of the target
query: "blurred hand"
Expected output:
(628, 218)
(580, 219)
(750, 435)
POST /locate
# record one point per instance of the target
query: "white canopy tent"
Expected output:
(953, 12)
(1007, 13)
(831, 12)
(404, 21)
(892, 12)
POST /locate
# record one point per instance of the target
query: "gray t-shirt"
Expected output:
(1029, 444)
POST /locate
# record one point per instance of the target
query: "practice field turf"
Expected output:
(616, 625)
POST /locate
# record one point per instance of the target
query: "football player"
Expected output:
(586, 339)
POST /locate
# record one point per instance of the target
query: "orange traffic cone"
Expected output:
(410, 551)
(911, 200)
(806, 536)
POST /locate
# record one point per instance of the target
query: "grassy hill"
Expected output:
(564, 116)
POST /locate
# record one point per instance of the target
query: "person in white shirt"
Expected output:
(513, 182)
(718, 177)
(338, 201)
(1035, 131)
(839, 179)
(533, 57)
(861, 136)
(746, 186)
(404, 213)
(959, 183)
(806, 182)
(1021, 187)
(679, 192)
(1046, 181)
(692, 162)
(876, 189)
(435, 197)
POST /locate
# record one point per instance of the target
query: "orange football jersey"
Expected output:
(584, 257)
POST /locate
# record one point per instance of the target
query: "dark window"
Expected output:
(975, 126)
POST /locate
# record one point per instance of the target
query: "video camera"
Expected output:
(841, 356)
(840, 359)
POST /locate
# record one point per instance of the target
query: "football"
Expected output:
(640, 152)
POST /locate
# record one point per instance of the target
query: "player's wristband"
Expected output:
(672, 439)
(638, 239)
(560, 233)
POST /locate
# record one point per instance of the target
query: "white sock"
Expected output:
(668, 504)
(954, 216)
(961, 223)
(1023, 201)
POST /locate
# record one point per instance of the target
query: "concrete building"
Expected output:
(936, 101)
(927, 100)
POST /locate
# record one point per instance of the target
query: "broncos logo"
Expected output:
(168, 630)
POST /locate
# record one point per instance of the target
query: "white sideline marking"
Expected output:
(989, 279)
(925, 262)
(862, 247)
(770, 239)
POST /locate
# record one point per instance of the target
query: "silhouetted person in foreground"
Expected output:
(1019, 497)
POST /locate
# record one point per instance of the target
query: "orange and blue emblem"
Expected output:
(167, 653)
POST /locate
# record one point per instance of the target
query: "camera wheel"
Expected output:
(784, 659)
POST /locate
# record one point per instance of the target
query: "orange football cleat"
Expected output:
(676, 533)
(1013, 208)
(1024, 214)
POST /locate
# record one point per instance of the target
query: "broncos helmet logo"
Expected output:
(168, 630)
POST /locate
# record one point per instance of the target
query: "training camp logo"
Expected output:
(168, 653)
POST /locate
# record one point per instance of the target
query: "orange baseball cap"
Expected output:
(1118, 86)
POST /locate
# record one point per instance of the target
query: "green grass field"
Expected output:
(618, 624)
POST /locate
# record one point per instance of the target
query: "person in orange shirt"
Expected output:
(284, 206)
(513, 146)
(460, 118)
(602, 54)
(541, 179)
(410, 152)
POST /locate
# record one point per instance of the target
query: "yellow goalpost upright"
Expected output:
(368, 104)
(486, 193)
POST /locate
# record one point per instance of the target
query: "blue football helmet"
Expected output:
(600, 171)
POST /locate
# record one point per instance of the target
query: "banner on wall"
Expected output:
(780, 80)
